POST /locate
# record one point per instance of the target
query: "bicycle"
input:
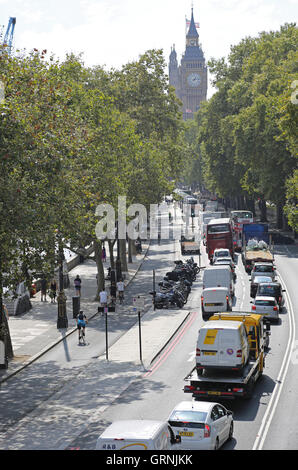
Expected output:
(82, 336)
(81, 323)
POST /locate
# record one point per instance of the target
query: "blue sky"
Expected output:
(111, 33)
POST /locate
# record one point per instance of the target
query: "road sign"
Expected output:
(138, 304)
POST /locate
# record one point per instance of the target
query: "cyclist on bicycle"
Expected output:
(120, 289)
(81, 323)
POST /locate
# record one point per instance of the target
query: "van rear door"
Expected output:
(209, 347)
(227, 348)
(215, 300)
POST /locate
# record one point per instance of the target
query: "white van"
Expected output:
(222, 344)
(138, 435)
(219, 276)
(214, 300)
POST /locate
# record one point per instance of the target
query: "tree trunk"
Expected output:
(100, 269)
(263, 209)
(111, 244)
(130, 242)
(4, 328)
(250, 205)
(279, 216)
(122, 246)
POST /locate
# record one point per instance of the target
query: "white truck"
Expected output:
(229, 384)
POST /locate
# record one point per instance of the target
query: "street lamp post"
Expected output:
(62, 320)
(118, 260)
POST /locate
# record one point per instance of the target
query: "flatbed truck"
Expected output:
(259, 232)
(231, 385)
(189, 245)
(256, 256)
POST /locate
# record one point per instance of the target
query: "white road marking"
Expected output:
(272, 405)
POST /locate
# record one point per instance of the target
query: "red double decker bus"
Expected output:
(219, 235)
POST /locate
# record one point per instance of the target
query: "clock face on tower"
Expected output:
(194, 79)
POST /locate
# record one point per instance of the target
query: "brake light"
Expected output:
(198, 352)
(202, 299)
(253, 307)
(275, 308)
(239, 353)
(207, 431)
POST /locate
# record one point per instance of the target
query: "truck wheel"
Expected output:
(249, 390)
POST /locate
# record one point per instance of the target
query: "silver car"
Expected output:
(201, 425)
(266, 306)
(263, 269)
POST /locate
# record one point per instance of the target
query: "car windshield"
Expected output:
(268, 303)
(190, 419)
(218, 228)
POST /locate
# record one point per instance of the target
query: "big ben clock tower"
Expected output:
(190, 78)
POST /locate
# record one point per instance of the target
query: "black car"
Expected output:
(258, 280)
(272, 289)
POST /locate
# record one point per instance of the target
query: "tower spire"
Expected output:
(192, 32)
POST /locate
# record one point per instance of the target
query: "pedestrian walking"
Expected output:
(77, 284)
(120, 289)
(103, 254)
(53, 290)
(43, 289)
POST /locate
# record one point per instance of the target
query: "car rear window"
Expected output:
(221, 253)
(268, 303)
(269, 290)
(264, 269)
(191, 419)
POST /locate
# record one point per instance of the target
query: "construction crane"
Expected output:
(8, 38)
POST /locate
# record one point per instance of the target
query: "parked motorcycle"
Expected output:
(167, 300)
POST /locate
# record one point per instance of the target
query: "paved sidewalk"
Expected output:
(52, 411)
(35, 332)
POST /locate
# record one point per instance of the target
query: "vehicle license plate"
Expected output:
(209, 305)
(213, 393)
(209, 353)
(186, 434)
